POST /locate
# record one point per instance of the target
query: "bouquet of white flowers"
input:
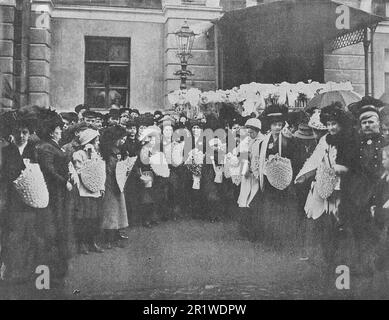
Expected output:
(194, 164)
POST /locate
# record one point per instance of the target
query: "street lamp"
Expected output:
(185, 38)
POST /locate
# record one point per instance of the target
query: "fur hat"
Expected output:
(47, 121)
(335, 112)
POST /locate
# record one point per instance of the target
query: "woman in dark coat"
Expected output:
(54, 164)
(338, 150)
(131, 149)
(22, 243)
(275, 217)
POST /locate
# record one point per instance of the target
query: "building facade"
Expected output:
(62, 53)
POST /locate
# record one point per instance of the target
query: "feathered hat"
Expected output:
(275, 113)
(196, 122)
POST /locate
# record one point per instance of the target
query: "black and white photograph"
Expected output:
(206, 151)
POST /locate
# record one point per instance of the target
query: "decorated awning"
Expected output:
(295, 30)
(312, 20)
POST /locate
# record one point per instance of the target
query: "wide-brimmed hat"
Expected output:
(304, 132)
(87, 136)
(254, 123)
(275, 113)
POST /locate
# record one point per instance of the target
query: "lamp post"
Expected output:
(185, 38)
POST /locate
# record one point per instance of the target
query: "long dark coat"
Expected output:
(54, 165)
(21, 238)
(274, 212)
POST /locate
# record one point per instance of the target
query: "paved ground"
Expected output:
(192, 260)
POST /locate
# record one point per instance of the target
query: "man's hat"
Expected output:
(89, 114)
(365, 108)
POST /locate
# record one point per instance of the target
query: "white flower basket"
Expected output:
(93, 175)
(31, 187)
(279, 171)
(326, 181)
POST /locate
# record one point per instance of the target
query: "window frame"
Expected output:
(107, 65)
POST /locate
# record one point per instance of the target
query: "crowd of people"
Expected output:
(106, 173)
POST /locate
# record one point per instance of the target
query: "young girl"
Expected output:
(90, 188)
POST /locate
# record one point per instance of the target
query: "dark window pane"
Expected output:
(95, 74)
(117, 96)
(95, 98)
(118, 75)
(118, 50)
(96, 49)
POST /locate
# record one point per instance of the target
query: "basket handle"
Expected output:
(280, 144)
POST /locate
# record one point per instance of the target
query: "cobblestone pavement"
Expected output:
(192, 260)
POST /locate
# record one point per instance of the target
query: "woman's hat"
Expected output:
(254, 123)
(335, 112)
(87, 136)
(304, 132)
(315, 123)
(275, 113)
(196, 122)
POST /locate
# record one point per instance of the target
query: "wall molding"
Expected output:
(135, 14)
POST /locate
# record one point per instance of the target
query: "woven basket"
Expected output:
(93, 175)
(279, 172)
(326, 181)
(31, 187)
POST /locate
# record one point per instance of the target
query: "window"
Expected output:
(379, 7)
(387, 82)
(107, 71)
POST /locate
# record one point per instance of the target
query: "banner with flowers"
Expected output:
(252, 97)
